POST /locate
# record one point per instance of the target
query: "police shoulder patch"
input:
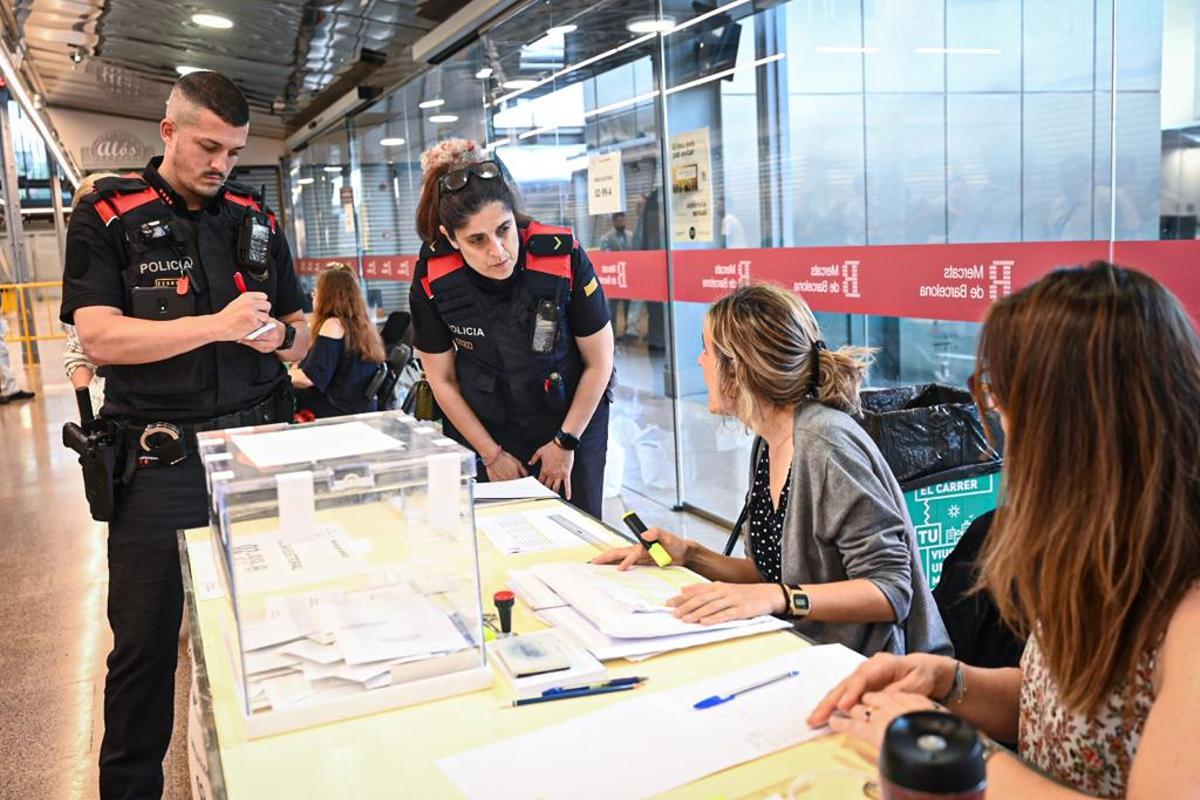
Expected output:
(591, 287)
(550, 244)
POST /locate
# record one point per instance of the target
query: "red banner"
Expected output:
(928, 281)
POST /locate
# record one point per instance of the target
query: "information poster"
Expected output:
(606, 190)
(691, 188)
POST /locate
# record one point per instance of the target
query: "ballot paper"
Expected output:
(270, 561)
(687, 743)
(593, 590)
(528, 531)
(577, 627)
(416, 627)
(527, 488)
(301, 445)
(205, 581)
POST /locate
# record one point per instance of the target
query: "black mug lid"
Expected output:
(932, 751)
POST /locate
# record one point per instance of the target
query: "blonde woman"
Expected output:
(1095, 553)
(829, 540)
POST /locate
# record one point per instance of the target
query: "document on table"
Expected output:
(319, 443)
(527, 488)
(592, 589)
(578, 628)
(267, 562)
(531, 531)
(688, 743)
(205, 580)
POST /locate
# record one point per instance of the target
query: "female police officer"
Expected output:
(512, 328)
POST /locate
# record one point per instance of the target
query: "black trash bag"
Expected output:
(930, 433)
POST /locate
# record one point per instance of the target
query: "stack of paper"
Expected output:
(534, 530)
(326, 644)
(527, 488)
(616, 614)
(675, 743)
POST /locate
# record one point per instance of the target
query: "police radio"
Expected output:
(254, 244)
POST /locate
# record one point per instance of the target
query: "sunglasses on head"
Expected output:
(457, 179)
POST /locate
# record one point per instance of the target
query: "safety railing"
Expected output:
(28, 303)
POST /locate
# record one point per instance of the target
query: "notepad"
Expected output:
(531, 655)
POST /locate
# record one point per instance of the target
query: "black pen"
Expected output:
(549, 698)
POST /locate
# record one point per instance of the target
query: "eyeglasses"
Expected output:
(979, 386)
(457, 179)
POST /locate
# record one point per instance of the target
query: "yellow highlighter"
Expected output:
(656, 550)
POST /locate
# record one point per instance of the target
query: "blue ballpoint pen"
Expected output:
(718, 699)
(604, 685)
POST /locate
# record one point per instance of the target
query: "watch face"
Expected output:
(799, 602)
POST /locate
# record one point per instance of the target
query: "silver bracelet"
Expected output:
(958, 690)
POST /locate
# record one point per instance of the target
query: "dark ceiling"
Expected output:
(120, 56)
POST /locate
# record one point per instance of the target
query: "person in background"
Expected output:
(626, 314)
(346, 352)
(511, 327)
(10, 392)
(829, 539)
(80, 369)
(1095, 554)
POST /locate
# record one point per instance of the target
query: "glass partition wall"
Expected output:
(899, 163)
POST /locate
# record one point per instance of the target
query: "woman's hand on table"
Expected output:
(711, 603)
(917, 673)
(626, 557)
(869, 719)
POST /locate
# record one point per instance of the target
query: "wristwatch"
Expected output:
(958, 690)
(798, 604)
(566, 441)
(289, 337)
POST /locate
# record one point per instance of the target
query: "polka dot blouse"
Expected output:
(766, 523)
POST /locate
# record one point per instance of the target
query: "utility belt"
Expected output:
(110, 450)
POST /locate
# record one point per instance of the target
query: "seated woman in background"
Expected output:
(830, 543)
(1095, 554)
(345, 354)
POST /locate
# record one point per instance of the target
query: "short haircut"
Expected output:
(218, 94)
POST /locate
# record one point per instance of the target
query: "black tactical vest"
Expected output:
(494, 340)
(164, 248)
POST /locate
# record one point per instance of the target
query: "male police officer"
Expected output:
(170, 277)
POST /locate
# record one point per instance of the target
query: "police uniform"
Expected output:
(129, 235)
(519, 382)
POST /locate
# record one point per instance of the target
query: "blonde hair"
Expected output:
(764, 339)
(1097, 371)
(88, 185)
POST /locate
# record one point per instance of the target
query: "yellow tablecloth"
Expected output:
(393, 754)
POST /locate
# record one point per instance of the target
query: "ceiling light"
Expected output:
(651, 25)
(562, 30)
(212, 21)
(519, 83)
(332, 169)
(188, 70)
(837, 48)
(434, 103)
(958, 51)
(484, 73)
(305, 181)
(391, 141)
(440, 118)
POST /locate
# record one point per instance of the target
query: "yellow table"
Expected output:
(393, 754)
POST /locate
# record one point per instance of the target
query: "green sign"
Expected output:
(941, 513)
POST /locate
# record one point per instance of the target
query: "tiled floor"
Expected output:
(53, 633)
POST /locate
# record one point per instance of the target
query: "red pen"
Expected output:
(239, 282)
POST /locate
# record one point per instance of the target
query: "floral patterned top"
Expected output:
(1091, 754)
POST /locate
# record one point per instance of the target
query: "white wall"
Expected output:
(98, 141)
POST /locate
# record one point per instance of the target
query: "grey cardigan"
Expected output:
(845, 519)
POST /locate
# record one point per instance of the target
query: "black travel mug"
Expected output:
(930, 755)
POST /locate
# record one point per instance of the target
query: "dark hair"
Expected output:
(452, 209)
(218, 94)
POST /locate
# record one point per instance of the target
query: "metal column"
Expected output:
(60, 227)
(16, 230)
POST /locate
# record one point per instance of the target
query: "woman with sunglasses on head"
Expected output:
(829, 541)
(511, 327)
(1095, 554)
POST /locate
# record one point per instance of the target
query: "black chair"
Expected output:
(396, 330)
(383, 384)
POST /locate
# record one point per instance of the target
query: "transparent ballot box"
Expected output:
(347, 548)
